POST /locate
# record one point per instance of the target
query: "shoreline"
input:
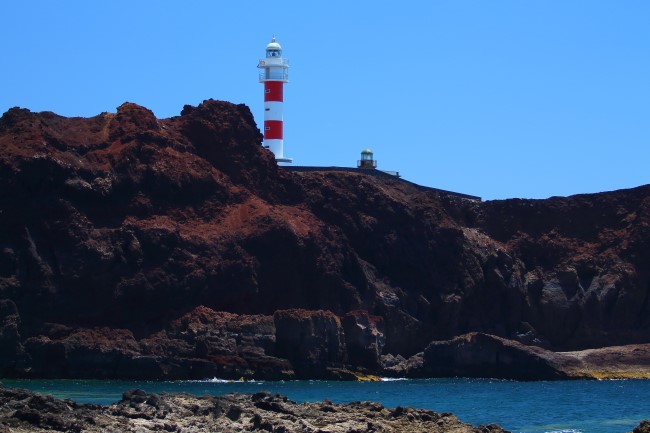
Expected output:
(23, 411)
(137, 410)
(590, 406)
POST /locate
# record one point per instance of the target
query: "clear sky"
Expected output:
(499, 98)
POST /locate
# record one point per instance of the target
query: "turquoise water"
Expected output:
(612, 406)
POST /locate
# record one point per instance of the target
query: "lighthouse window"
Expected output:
(267, 90)
(267, 128)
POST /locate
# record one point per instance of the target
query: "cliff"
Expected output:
(140, 247)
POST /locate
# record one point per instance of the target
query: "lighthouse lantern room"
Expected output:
(367, 160)
(275, 72)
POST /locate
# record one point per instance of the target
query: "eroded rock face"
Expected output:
(12, 352)
(364, 339)
(310, 340)
(119, 229)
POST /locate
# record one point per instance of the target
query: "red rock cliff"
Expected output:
(122, 224)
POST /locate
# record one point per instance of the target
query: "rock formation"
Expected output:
(643, 427)
(23, 411)
(176, 248)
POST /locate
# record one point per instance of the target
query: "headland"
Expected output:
(137, 247)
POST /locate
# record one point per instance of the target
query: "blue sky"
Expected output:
(494, 98)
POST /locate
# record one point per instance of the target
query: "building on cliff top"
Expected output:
(368, 161)
(275, 73)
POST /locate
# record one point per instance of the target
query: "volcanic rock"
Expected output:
(177, 248)
(643, 427)
(310, 340)
(23, 411)
(482, 355)
(364, 338)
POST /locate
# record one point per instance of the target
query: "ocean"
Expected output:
(608, 406)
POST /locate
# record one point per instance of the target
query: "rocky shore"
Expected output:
(137, 247)
(24, 411)
(140, 412)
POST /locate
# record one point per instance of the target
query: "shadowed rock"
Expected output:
(140, 247)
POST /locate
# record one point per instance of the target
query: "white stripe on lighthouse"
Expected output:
(272, 110)
(275, 146)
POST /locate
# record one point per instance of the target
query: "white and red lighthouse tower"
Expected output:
(275, 74)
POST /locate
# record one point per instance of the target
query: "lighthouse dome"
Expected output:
(273, 49)
(273, 45)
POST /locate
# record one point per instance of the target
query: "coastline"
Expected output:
(137, 410)
(24, 411)
(592, 406)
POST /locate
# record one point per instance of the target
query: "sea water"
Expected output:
(609, 406)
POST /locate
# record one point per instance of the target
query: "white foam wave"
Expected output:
(564, 431)
(392, 379)
(219, 380)
(216, 380)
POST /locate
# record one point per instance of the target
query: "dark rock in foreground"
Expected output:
(24, 411)
(643, 427)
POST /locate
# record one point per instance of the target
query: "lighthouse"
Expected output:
(275, 72)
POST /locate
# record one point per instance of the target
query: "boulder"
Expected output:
(483, 355)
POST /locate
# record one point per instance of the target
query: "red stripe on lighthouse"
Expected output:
(272, 129)
(273, 91)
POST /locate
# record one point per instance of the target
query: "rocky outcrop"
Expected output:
(178, 248)
(311, 340)
(643, 427)
(612, 362)
(483, 355)
(12, 352)
(364, 339)
(291, 344)
(23, 411)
